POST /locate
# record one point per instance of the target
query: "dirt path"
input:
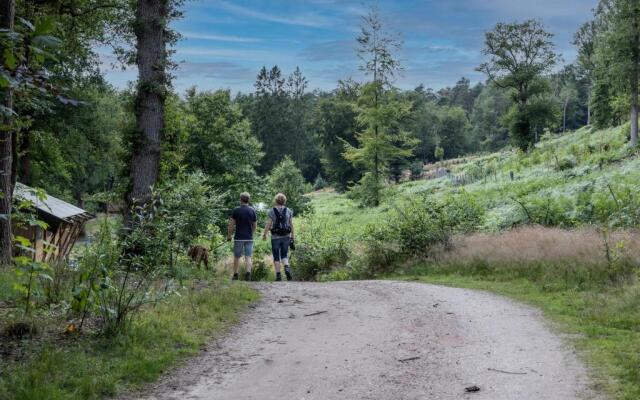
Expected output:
(381, 340)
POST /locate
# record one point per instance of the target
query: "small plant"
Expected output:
(29, 272)
(439, 153)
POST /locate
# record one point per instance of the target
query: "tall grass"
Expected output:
(588, 247)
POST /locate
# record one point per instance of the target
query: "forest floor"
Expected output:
(381, 340)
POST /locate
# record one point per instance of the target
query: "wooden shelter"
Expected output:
(65, 223)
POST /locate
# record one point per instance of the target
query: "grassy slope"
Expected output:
(606, 320)
(94, 367)
(600, 158)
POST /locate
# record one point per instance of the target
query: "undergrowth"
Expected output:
(66, 366)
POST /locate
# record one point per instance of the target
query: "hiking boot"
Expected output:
(278, 276)
(247, 276)
(287, 272)
(235, 277)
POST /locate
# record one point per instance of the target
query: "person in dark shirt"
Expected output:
(242, 226)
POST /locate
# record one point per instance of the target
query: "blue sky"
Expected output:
(225, 42)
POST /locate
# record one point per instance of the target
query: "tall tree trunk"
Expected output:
(564, 115)
(152, 80)
(635, 58)
(24, 161)
(634, 114)
(7, 17)
(589, 106)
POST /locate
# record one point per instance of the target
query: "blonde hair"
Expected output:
(280, 199)
(245, 197)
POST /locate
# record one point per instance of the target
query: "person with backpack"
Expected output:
(242, 226)
(280, 224)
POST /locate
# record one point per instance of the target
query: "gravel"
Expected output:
(381, 340)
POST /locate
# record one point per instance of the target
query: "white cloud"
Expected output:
(306, 19)
(220, 38)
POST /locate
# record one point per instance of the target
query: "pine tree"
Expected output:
(380, 111)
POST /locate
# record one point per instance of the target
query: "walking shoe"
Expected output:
(235, 277)
(278, 276)
(247, 276)
(287, 272)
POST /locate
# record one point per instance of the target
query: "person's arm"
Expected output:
(291, 225)
(254, 225)
(267, 228)
(231, 228)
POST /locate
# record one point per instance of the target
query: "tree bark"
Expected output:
(589, 89)
(152, 80)
(635, 58)
(564, 115)
(7, 18)
(24, 161)
(634, 114)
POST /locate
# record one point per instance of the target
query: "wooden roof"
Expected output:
(52, 206)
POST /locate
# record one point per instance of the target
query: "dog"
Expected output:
(198, 255)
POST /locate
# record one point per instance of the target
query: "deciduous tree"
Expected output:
(519, 54)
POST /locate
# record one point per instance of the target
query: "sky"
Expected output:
(224, 42)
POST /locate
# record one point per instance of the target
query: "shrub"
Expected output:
(319, 248)
(417, 168)
(565, 163)
(550, 210)
(192, 207)
(417, 228)
(319, 183)
(119, 274)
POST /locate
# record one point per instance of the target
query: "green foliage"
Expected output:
(519, 53)
(75, 151)
(320, 248)
(131, 266)
(30, 275)
(439, 126)
(286, 178)
(95, 366)
(336, 123)
(439, 153)
(280, 112)
(486, 119)
(415, 228)
(193, 208)
(319, 183)
(220, 144)
(382, 142)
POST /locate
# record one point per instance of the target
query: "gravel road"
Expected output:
(381, 340)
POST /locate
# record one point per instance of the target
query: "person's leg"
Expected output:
(237, 254)
(248, 254)
(285, 257)
(275, 249)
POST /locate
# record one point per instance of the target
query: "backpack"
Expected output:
(281, 226)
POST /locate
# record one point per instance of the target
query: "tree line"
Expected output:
(67, 130)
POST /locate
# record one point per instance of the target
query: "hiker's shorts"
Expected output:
(241, 247)
(280, 248)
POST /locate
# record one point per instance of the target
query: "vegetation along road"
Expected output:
(382, 340)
